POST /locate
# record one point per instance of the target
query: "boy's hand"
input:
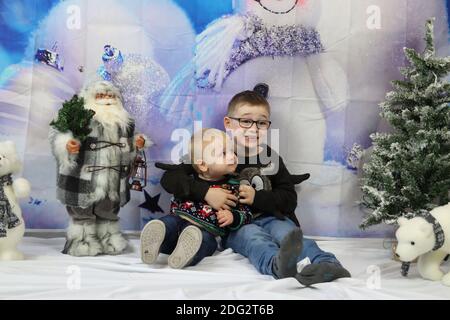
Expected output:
(219, 198)
(246, 194)
(225, 218)
(73, 146)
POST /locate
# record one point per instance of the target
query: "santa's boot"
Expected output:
(82, 240)
(111, 239)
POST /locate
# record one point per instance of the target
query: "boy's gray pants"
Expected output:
(105, 209)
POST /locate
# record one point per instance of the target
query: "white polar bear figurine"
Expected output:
(426, 238)
(10, 192)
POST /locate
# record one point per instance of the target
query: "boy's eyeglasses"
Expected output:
(248, 123)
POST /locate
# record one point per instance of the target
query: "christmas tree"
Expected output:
(74, 117)
(409, 170)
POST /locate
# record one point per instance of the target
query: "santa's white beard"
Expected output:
(109, 113)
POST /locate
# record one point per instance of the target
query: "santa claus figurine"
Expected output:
(93, 170)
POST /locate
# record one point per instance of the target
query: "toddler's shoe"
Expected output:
(152, 236)
(188, 244)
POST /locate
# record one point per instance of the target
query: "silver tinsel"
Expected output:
(263, 40)
(139, 79)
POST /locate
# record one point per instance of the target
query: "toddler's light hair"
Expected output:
(200, 142)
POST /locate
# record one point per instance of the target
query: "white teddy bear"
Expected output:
(12, 226)
(426, 236)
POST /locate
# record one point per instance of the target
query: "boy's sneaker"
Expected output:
(152, 236)
(188, 244)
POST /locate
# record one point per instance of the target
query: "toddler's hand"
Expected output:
(219, 198)
(225, 218)
(246, 194)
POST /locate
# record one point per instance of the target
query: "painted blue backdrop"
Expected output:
(322, 104)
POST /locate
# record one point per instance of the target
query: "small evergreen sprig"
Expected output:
(74, 117)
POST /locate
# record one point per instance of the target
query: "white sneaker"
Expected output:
(152, 236)
(188, 244)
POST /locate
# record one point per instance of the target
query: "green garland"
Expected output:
(74, 117)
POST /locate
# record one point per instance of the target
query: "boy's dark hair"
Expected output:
(247, 97)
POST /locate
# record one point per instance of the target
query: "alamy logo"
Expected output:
(374, 280)
(373, 21)
(74, 279)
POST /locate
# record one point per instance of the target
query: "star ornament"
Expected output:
(151, 203)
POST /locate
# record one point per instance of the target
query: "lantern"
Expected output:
(138, 176)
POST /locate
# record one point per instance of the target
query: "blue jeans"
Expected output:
(174, 226)
(260, 242)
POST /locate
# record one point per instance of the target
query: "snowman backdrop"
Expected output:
(327, 64)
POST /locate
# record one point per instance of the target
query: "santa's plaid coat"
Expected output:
(75, 185)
